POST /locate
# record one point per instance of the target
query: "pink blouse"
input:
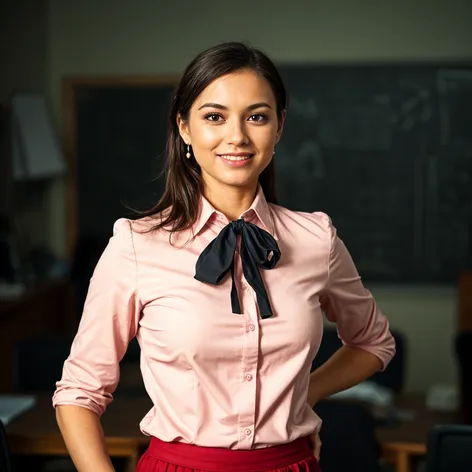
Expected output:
(217, 378)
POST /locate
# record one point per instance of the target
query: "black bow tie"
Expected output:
(258, 249)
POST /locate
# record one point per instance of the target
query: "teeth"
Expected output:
(235, 158)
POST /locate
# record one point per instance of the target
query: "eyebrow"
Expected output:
(249, 108)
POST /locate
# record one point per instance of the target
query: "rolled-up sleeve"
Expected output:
(109, 321)
(352, 307)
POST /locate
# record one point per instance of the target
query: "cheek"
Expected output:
(206, 138)
(265, 139)
(209, 134)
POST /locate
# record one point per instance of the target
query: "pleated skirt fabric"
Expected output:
(179, 457)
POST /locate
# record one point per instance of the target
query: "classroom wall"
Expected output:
(24, 49)
(24, 68)
(109, 37)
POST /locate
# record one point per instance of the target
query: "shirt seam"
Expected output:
(330, 247)
(136, 282)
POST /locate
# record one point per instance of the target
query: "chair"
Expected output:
(37, 366)
(449, 449)
(348, 438)
(463, 352)
(5, 465)
(393, 377)
(38, 363)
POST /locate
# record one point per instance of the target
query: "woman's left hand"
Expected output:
(315, 444)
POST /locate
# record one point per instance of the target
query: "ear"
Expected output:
(183, 129)
(280, 126)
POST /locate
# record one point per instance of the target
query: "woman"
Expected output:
(226, 348)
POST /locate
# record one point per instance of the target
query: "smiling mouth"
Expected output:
(236, 157)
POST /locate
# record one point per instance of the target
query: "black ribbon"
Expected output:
(258, 250)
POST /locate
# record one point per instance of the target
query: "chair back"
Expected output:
(5, 465)
(463, 352)
(449, 449)
(348, 438)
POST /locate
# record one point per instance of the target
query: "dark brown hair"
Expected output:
(179, 205)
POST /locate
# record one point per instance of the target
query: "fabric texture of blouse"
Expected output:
(217, 378)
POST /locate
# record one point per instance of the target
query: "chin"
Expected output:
(240, 182)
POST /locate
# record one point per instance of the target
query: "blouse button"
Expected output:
(252, 327)
(248, 377)
(247, 432)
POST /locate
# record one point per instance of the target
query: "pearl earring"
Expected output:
(188, 155)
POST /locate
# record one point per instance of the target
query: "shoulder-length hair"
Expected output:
(179, 206)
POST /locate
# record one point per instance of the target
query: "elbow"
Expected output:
(392, 348)
(385, 350)
(383, 347)
(65, 398)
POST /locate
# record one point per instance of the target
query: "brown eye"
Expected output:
(213, 117)
(258, 118)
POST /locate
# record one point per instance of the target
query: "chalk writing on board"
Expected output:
(415, 108)
(356, 126)
(411, 105)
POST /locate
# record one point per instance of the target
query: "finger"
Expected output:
(317, 447)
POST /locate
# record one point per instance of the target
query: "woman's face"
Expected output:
(233, 129)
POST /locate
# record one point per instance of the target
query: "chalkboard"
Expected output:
(385, 150)
(121, 135)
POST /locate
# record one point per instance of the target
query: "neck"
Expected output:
(231, 201)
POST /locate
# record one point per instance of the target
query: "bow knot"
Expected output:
(259, 250)
(238, 225)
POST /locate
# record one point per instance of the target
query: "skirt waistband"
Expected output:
(215, 458)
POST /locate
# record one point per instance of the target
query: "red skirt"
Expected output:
(179, 457)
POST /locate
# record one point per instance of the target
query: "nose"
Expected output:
(237, 133)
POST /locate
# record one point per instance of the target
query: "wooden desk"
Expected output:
(36, 432)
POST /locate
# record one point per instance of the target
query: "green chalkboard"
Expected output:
(386, 151)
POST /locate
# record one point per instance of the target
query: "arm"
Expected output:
(91, 372)
(368, 344)
(83, 435)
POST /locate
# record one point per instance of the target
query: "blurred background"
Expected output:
(378, 135)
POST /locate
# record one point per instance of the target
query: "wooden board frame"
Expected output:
(69, 87)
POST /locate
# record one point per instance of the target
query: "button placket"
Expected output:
(247, 394)
(246, 397)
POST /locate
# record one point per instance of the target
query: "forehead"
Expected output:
(238, 88)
